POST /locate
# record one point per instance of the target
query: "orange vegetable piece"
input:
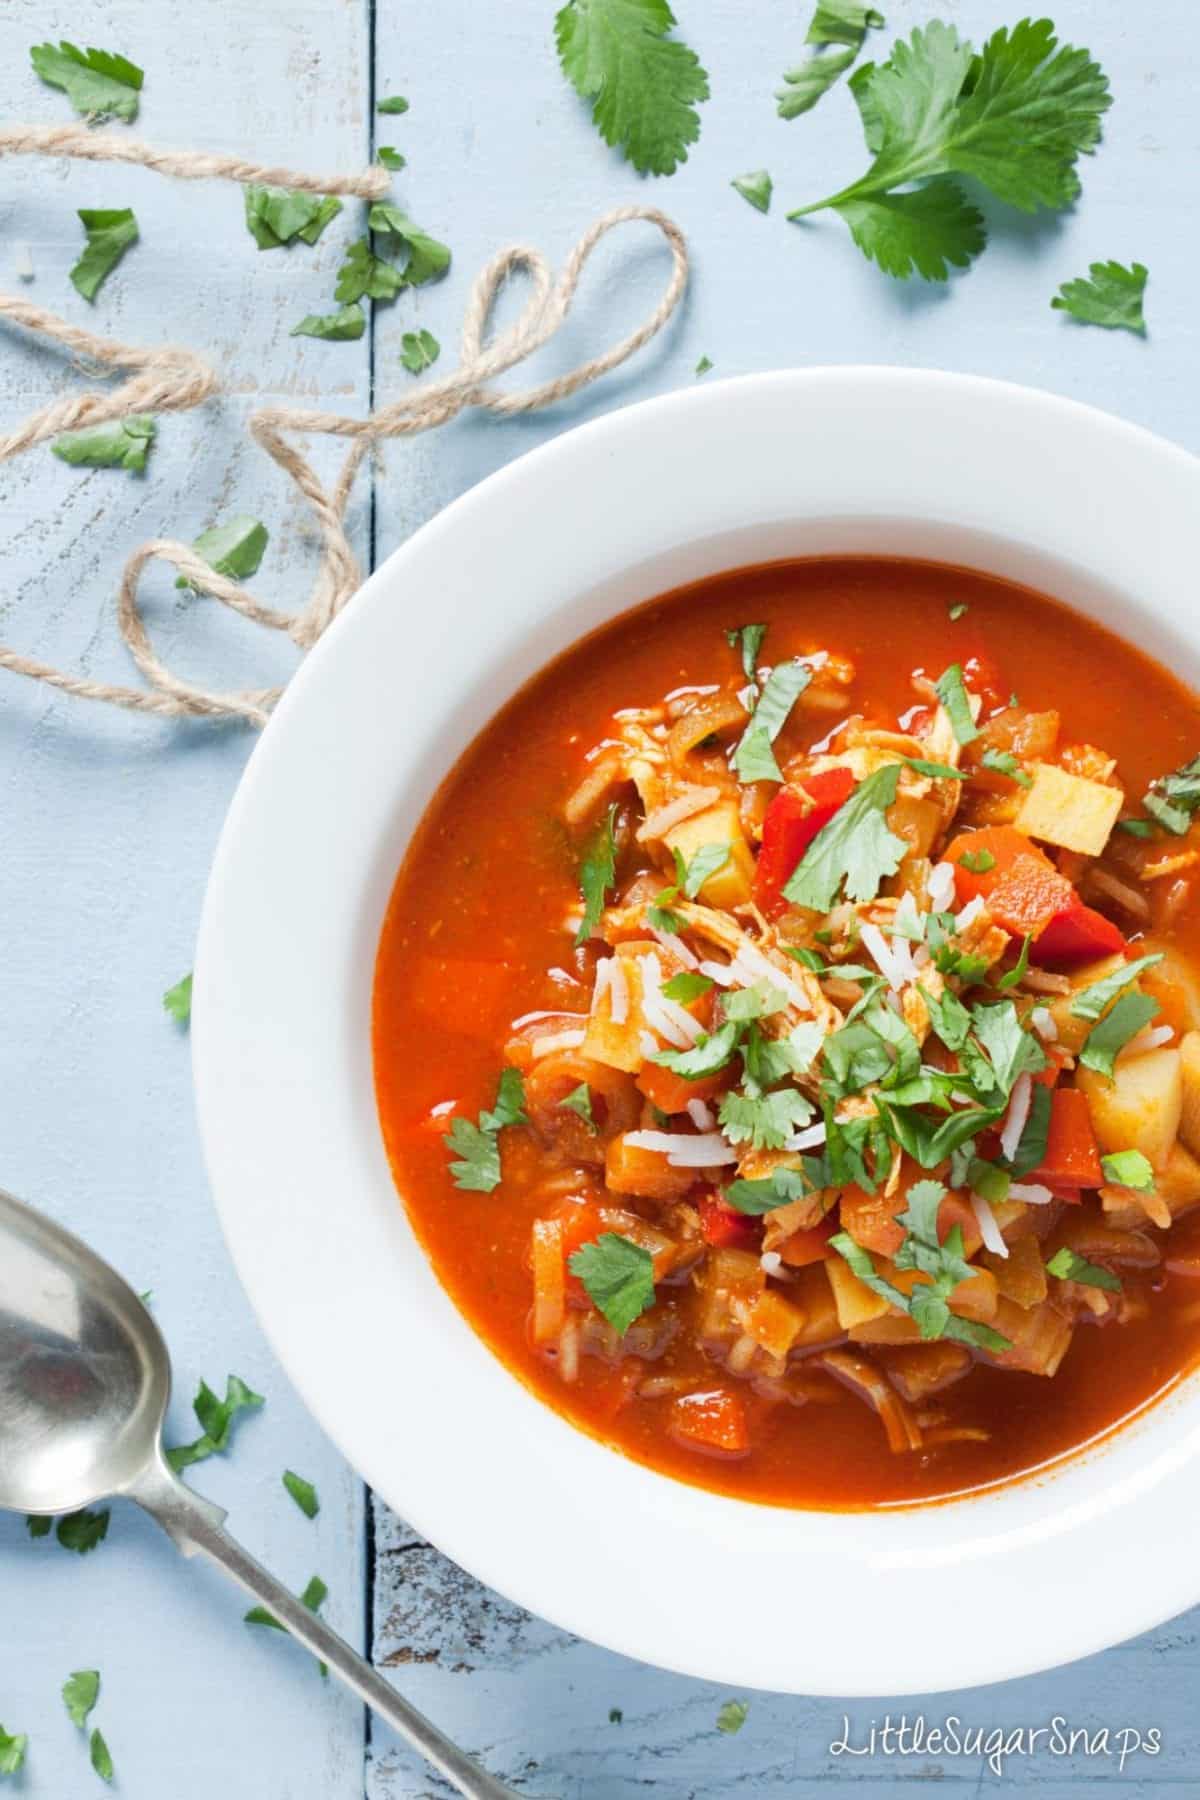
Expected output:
(1004, 843)
(671, 1092)
(631, 1170)
(1072, 1159)
(713, 1421)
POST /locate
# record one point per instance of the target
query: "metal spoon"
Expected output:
(84, 1383)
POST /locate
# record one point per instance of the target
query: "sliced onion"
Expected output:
(1016, 1116)
(721, 973)
(969, 913)
(750, 965)
(1031, 1192)
(559, 1040)
(603, 983)
(1042, 1020)
(989, 1231)
(808, 1139)
(880, 952)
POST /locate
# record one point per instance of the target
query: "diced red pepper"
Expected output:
(1072, 1159)
(1078, 934)
(790, 824)
(713, 1421)
(1028, 896)
(725, 1228)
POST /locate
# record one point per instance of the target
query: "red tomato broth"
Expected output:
(491, 874)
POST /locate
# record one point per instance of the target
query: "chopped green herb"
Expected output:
(109, 235)
(686, 987)
(732, 1716)
(477, 1146)
(82, 1531)
(704, 365)
(419, 350)
(618, 1276)
(314, 1597)
(706, 1057)
(122, 444)
(235, 549)
(764, 1121)
(747, 640)
(178, 1001)
(948, 1017)
(1130, 1169)
(708, 859)
(1019, 968)
(952, 693)
(1112, 297)
(98, 83)
(279, 216)
(1139, 828)
(854, 849)
(956, 612)
(302, 1492)
(1109, 1036)
(1065, 1265)
(12, 1751)
(391, 159)
(39, 1528)
(1173, 799)
(1091, 1001)
(759, 1001)
(842, 22)
(80, 1693)
(341, 327)
(977, 862)
(365, 275)
(394, 103)
(1030, 1152)
(1016, 117)
(597, 873)
(755, 187)
(615, 1715)
(427, 258)
(643, 86)
(936, 771)
(753, 759)
(1003, 762)
(579, 1101)
(767, 1193)
(216, 1419)
(807, 82)
(100, 1755)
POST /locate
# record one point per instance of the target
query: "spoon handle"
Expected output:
(195, 1525)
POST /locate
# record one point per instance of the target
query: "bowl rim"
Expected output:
(302, 871)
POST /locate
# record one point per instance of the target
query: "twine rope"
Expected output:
(173, 378)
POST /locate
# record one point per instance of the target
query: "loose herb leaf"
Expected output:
(1003, 762)
(1109, 1036)
(216, 1419)
(363, 274)
(278, 216)
(1129, 1169)
(936, 771)
(314, 1596)
(618, 1276)
(597, 873)
(706, 1057)
(101, 1757)
(704, 365)
(1065, 1265)
(1019, 968)
(12, 1751)
(419, 350)
(235, 549)
(1091, 1001)
(427, 258)
(643, 86)
(948, 1017)
(1173, 799)
(477, 1146)
(756, 187)
(82, 1531)
(977, 862)
(765, 1194)
(764, 1121)
(759, 1001)
(394, 103)
(109, 235)
(38, 1528)
(1139, 828)
(121, 444)
(178, 1001)
(302, 1492)
(579, 1101)
(842, 22)
(953, 695)
(80, 1692)
(341, 327)
(732, 1716)
(956, 612)
(747, 640)
(855, 848)
(707, 860)
(98, 83)
(809, 81)
(391, 159)
(1011, 1050)
(686, 987)
(1112, 297)
(753, 759)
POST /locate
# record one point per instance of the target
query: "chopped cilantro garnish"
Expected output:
(1139, 828)
(948, 1017)
(579, 1101)
(759, 1001)
(477, 1147)
(618, 1276)
(1112, 297)
(597, 872)
(766, 1193)
(732, 1716)
(1030, 1152)
(1019, 968)
(707, 860)
(643, 85)
(952, 693)
(1065, 1265)
(855, 848)
(1109, 1036)
(302, 1492)
(216, 1421)
(747, 641)
(936, 771)
(178, 1001)
(419, 350)
(944, 1267)
(101, 1756)
(122, 444)
(341, 327)
(753, 758)
(1130, 1169)
(279, 216)
(1011, 1051)
(809, 80)
(755, 187)
(811, 959)
(80, 1692)
(686, 987)
(764, 1121)
(392, 103)
(365, 275)
(1091, 1001)
(977, 862)
(1003, 762)
(391, 159)
(1173, 799)
(771, 1059)
(706, 1057)
(842, 22)
(704, 365)
(929, 1143)
(855, 1056)
(82, 1531)
(98, 83)
(13, 1746)
(109, 235)
(427, 258)
(956, 612)
(234, 549)
(988, 1180)
(1015, 118)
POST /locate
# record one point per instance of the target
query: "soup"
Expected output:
(785, 1032)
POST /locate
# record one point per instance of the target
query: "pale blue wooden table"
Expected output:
(107, 823)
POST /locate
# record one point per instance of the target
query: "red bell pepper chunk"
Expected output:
(1072, 1159)
(1028, 897)
(790, 824)
(725, 1228)
(1078, 934)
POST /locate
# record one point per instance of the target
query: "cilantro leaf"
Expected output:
(122, 444)
(80, 1692)
(686, 987)
(477, 1146)
(1112, 297)
(855, 1056)
(934, 770)
(235, 549)
(707, 1055)
(364, 274)
(1030, 1152)
(855, 848)
(38, 1527)
(618, 1276)
(216, 1419)
(747, 641)
(391, 159)
(643, 86)
(752, 758)
(12, 1751)
(419, 350)
(952, 693)
(278, 216)
(862, 1266)
(392, 103)
(767, 1192)
(510, 1103)
(1129, 1169)
(101, 1756)
(756, 187)
(949, 1017)
(597, 873)
(100, 84)
(82, 1531)
(764, 1121)
(759, 1001)
(809, 80)
(1110, 1035)
(1003, 762)
(579, 1101)
(427, 258)
(732, 1716)
(340, 327)
(707, 860)
(178, 1001)
(977, 862)
(930, 229)
(842, 22)
(930, 1143)
(1091, 1001)
(1172, 799)
(109, 234)
(302, 1492)
(1065, 1265)
(1011, 1050)
(771, 1059)
(704, 365)
(1020, 968)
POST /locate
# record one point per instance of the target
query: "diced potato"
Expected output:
(1189, 1119)
(729, 1276)
(1072, 1031)
(1021, 1275)
(1140, 1108)
(1176, 1191)
(773, 1322)
(721, 824)
(855, 1302)
(893, 1328)
(1069, 810)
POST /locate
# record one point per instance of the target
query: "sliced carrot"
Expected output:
(1003, 843)
(713, 1421)
(671, 1093)
(1029, 895)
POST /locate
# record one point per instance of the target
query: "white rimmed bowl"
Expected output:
(1006, 479)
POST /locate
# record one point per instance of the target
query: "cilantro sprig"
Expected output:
(1066, 1265)
(753, 759)
(476, 1147)
(618, 1277)
(100, 84)
(1110, 295)
(643, 86)
(855, 850)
